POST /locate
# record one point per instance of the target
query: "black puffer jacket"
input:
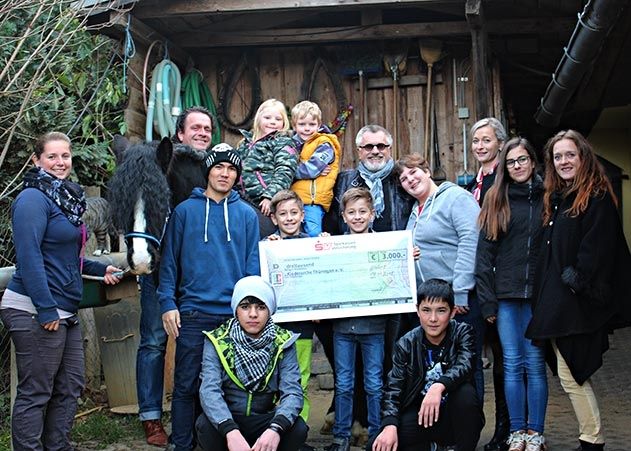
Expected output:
(398, 203)
(406, 378)
(505, 269)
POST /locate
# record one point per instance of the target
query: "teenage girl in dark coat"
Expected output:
(581, 291)
(510, 224)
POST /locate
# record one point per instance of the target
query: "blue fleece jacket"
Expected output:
(207, 248)
(47, 248)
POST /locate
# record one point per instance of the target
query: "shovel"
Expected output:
(395, 64)
(431, 51)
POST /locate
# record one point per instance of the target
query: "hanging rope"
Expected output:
(195, 92)
(129, 51)
(228, 90)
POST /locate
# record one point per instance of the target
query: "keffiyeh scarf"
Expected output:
(252, 356)
(67, 195)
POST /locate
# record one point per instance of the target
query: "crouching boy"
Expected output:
(429, 396)
(250, 383)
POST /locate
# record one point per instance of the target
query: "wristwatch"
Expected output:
(276, 428)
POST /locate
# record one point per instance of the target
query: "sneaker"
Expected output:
(339, 444)
(535, 442)
(154, 433)
(516, 441)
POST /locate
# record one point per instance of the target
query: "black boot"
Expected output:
(502, 421)
(586, 446)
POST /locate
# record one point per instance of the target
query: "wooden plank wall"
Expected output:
(282, 71)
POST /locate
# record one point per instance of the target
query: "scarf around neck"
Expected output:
(67, 195)
(373, 180)
(252, 356)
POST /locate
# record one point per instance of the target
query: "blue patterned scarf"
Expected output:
(373, 180)
(67, 195)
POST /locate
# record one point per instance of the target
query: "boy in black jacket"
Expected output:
(429, 396)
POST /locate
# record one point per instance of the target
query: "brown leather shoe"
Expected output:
(154, 432)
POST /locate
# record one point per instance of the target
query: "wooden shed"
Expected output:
(490, 57)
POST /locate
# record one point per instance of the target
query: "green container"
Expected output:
(93, 294)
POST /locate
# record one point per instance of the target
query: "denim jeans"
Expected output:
(372, 351)
(50, 366)
(150, 357)
(313, 219)
(521, 358)
(188, 364)
(474, 318)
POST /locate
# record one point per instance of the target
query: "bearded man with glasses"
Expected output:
(374, 172)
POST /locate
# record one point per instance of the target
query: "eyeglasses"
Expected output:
(521, 160)
(380, 147)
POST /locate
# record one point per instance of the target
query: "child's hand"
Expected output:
(264, 206)
(416, 253)
(273, 237)
(326, 170)
(324, 234)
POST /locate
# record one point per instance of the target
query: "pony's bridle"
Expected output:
(157, 242)
(146, 236)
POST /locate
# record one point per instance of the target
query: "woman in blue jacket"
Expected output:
(510, 223)
(39, 306)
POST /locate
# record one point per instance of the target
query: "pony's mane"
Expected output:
(141, 174)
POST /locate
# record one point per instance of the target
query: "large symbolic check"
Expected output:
(340, 276)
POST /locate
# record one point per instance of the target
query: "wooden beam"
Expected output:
(371, 17)
(296, 36)
(169, 8)
(474, 13)
(145, 35)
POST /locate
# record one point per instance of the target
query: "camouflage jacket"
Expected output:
(269, 165)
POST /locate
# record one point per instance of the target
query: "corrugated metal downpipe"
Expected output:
(593, 26)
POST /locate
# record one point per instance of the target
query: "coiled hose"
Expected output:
(195, 92)
(165, 103)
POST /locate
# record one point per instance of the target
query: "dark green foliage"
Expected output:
(62, 79)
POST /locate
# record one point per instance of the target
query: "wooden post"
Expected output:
(479, 46)
(14, 381)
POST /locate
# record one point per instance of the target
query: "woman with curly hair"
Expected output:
(580, 292)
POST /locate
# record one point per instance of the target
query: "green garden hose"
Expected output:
(195, 92)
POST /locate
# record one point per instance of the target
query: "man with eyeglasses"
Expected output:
(374, 172)
(392, 209)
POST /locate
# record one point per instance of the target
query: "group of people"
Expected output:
(536, 261)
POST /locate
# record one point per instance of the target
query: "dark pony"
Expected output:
(149, 181)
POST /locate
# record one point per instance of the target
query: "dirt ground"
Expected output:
(612, 384)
